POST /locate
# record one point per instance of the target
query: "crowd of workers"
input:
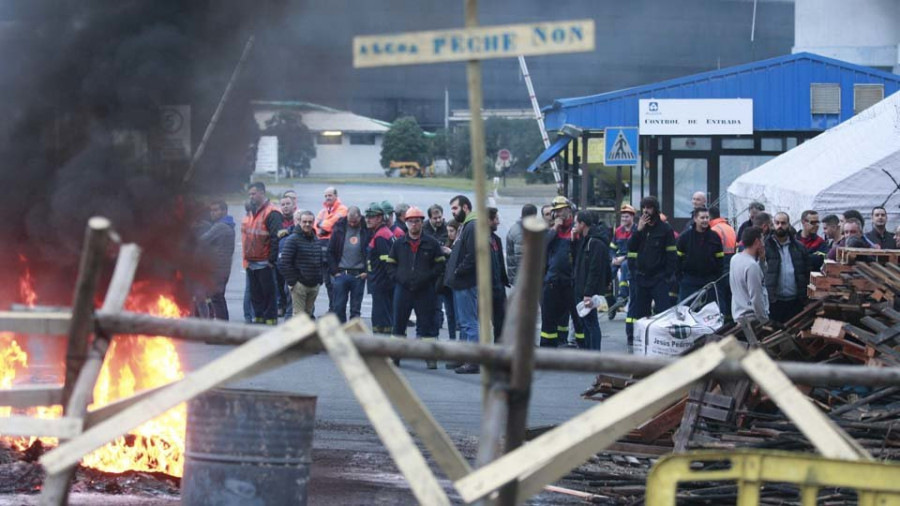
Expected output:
(412, 261)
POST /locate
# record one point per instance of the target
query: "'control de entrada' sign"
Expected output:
(730, 116)
(474, 43)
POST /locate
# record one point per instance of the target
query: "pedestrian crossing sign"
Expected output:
(621, 146)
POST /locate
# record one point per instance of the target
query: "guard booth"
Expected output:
(699, 133)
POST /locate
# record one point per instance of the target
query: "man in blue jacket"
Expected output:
(219, 242)
(557, 297)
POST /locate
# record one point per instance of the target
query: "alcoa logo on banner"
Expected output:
(653, 107)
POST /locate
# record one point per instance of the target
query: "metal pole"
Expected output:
(482, 232)
(539, 117)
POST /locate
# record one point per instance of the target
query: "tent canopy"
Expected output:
(855, 165)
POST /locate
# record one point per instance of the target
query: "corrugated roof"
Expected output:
(779, 88)
(320, 118)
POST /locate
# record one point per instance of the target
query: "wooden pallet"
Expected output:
(849, 255)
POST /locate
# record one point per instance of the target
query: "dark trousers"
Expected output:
(262, 295)
(646, 291)
(592, 333)
(219, 307)
(348, 287)
(724, 286)
(499, 316)
(326, 276)
(422, 302)
(557, 305)
(382, 309)
(445, 299)
(783, 310)
(691, 284)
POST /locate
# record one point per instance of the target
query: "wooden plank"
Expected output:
(27, 396)
(826, 327)
(16, 425)
(662, 423)
(556, 452)
(888, 354)
(54, 323)
(96, 238)
(691, 413)
(433, 436)
(275, 341)
(376, 405)
(828, 438)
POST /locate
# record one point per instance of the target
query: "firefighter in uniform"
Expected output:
(619, 247)
(557, 298)
(415, 262)
(381, 287)
(651, 262)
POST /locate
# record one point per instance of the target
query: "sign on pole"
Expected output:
(621, 146)
(463, 44)
(504, 155)
(719, 116)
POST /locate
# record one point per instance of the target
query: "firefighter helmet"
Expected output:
(560, 202)
(414, 212)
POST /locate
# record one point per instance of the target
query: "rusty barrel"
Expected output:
(248, 448)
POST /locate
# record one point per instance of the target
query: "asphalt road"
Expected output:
(455, 400)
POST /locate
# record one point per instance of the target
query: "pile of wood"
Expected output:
(851, 319)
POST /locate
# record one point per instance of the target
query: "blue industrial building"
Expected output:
(794, 98)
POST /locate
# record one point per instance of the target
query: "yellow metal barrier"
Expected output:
(875, 483)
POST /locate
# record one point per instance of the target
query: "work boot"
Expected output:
(431, 364)
(467, 368)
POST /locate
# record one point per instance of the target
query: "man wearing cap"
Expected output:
(381, 286)
(388, 209)
(619, 247)
(415, 262)
(557, 297)
(652, 261)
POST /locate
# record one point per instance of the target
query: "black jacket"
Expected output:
(439, 233)
(700, 254)
(592, 264)
(461, 265)
(300, 260)
(499, 278)
(415, 270)
(800, 259)
(886, 241)
(336, 244)
(651, 251)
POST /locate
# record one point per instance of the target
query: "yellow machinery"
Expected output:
(409, 169)
(875, 483)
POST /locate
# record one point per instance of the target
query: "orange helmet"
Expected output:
(627, 209)
(414, 212)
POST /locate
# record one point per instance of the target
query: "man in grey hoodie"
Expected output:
(219, 243)
(749, 297)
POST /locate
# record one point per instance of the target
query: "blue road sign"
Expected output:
(621, 146)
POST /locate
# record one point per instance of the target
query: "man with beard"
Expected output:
(435, 226)
(652, 262)
(557, 303)
(460, 276)
(415, 262)
(381, 286)
(259, 238)
(754, 209)
(591, 272)
(786, 271)
(346, 260)
(700, 255)
(499, 279)
(879, 234)
(219, 243)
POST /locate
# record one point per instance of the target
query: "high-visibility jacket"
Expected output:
(726, 233)
(328, 217)
(256, 238)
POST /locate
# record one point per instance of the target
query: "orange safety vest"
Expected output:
(726, 233)
(255, 235)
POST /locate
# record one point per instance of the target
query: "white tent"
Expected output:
(855, 165)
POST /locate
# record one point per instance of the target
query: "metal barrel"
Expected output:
(248, 448)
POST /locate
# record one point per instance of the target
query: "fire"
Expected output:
(132, 364)
(26, 286)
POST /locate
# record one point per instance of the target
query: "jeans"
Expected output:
(262, 295)
(592, 333)
(446, 300)
(344, 287)
(465, 302)
(248, 308)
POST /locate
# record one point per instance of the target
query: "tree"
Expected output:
(453, 146)
(521, 137)
(405, 142)
(295, 141)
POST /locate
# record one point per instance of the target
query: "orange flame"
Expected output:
(132, 364)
